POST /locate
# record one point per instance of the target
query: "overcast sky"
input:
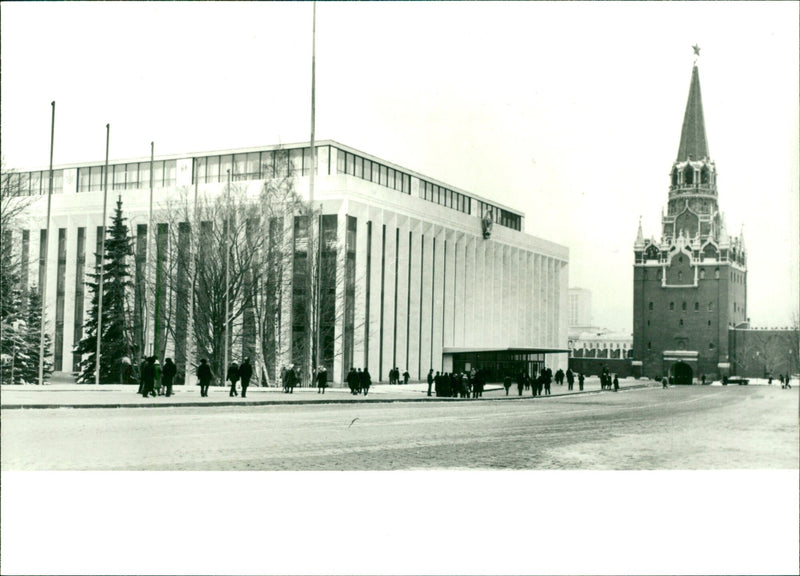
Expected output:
(570, 112)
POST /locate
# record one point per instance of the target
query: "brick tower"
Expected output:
(690, 286)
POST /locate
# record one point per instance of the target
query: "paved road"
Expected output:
(680, 428)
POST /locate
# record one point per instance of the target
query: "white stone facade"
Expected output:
(443, 284)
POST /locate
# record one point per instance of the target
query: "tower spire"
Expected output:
(693, 134)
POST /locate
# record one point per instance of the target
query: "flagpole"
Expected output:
(228, 227)
(311, 182)
(147, 256)
(99, 333)
(43, 287)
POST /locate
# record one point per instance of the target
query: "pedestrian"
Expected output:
(507, 383)
(540, 382)
(204, 376)
(547, 380)
(520, 383)
(322, 380)
(366, 381)
(570, 378)
(291, 379)
(463, 391)
(168, 376)
(703, 380)
(233, 377)
(124, 370)
(616, 383)
(788, 386)
(141, 375)
(664, 382)
(480, 382)
(430, 380)
(406, 376)
(148, 376)
(560, 377)
(284, 373)
(245, 373)
(157, 377)
(359, 375)
(580, 381)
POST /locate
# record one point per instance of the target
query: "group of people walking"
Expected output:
(158, 381)
(236, 373)
(155, 380)
(394, 376)
(606, 382)
(359, 381)
(457, 384)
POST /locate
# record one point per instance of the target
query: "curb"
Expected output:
(298, 402)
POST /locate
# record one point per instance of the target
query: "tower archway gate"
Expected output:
(680, 366)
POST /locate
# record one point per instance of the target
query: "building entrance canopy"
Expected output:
(498, 362)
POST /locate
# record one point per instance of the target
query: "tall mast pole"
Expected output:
(312, 175)
(147, 256)
(99, 333)
(227, 276)
(153, 234)
(43, 287)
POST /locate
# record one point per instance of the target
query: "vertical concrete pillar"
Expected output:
(426, 297)
(359, 340)
(374, 350)
(415, 367)
(402, 352)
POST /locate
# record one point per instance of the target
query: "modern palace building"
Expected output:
(427, 275)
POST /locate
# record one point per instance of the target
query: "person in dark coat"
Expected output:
(358, 381)
(284, 373)
(148, 377)
(141, 375)
(580, 380)
(168, 376)
(548, 378)
(616, 383)
(560, 377)
(437, 384)
(570, 378)
(291, 380)
(366, 381)
(480, 382)
(351, 380)
(521, 382)
(245, 373)
(322, 380)
(233, 376)
(205, 376)
(406, 376)
(430, 380)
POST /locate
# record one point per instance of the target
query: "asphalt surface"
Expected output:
(684, 428)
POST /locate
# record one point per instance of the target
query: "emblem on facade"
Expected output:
(486, 223)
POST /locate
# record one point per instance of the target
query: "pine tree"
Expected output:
(117, 340)
(12, 338)
(32, 341)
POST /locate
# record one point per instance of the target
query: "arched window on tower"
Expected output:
(688, 175)
(705, 175)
